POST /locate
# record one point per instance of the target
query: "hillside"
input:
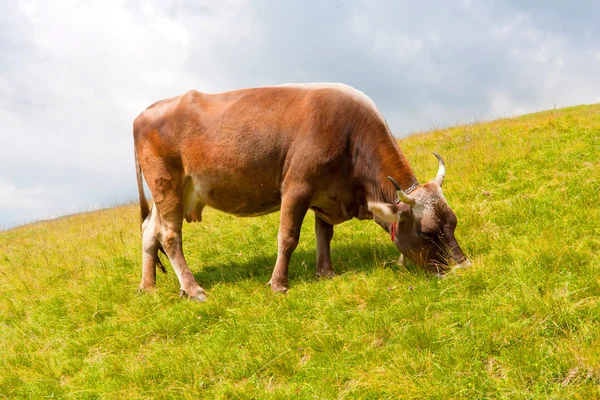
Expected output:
(522, 323)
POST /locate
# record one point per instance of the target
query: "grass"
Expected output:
(522, 323)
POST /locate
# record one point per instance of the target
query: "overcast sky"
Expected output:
(75, 74)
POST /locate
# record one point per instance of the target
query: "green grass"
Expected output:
(522, 323)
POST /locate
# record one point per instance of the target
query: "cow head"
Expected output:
(423, 224)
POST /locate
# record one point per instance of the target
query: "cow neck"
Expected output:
(377, 156)
(407, 181)
(393, 164)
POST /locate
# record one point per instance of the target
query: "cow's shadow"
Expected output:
(361, 258)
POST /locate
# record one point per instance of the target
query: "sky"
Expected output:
(75, 74)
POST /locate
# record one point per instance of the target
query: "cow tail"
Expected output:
(145, 208)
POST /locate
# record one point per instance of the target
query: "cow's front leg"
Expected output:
(324, 232)
(402, 260)
(294, 206)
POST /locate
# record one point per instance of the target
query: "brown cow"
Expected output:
(291, 148)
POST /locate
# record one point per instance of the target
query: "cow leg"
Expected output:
(171, 240)
(169, 203)
(324, 232)
(150, 246)
(402, 260)
(293, 210)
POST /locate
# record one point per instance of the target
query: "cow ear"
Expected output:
(385, 212)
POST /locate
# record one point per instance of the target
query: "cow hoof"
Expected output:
(145, 289)
(277, 288)
(326, 274)
(402, 260)
(463, 265)
(200, 297)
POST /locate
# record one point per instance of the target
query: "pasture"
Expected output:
(522, 323)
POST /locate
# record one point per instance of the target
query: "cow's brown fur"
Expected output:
(255, 151)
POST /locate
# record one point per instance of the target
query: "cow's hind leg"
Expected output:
(294, 206)
(171, 239)
(169, 204)
(324, 232)
(150, 246)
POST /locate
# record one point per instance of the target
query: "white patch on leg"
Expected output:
(149, 227)
(149, 250)
(149, 239)
(402, 260)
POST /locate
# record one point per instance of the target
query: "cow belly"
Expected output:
(239, 200)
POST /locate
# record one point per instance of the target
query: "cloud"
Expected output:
(23, 205)
(71, 98)
(74, 75)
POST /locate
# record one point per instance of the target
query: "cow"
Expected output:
(288, 148)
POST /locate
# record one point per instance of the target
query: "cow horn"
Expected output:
(401, 195)
(441, 174)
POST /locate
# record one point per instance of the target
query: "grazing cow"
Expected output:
(292, 148)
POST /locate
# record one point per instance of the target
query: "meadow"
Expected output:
(522, 323)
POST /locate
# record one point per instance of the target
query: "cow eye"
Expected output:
(429, 235)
